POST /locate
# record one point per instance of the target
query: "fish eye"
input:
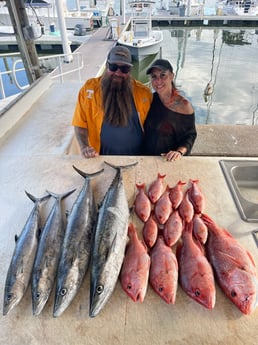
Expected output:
(9, 296)
(197, 293)
(129, 286)
(100, 289)
(233, 293)
(63, 292)
(160, 288)
(38, 295)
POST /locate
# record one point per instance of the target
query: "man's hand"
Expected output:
(82, 138)
(89, 152)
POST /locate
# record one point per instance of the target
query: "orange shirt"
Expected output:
(89, 110)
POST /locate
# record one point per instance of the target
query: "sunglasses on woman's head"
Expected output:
(113, 67)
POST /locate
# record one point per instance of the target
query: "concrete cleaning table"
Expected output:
(121, 322)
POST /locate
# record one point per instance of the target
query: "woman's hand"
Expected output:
(172, 155)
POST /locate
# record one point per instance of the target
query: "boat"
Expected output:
(44, 13)
(242, 8)
(139, 36)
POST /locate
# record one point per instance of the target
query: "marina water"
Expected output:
(223, 58)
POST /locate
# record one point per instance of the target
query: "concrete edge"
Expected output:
(11, 114)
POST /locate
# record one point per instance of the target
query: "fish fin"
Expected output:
(32, 197)
(160, 231)
(61, 196)
(251, 258)
(160, 176)
(87, 175)
(35, 199)
(121, 166)
(140, 186)
(46, 262)
(19, 269)
(111, 249)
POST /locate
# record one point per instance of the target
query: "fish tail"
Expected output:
(35, 199)
(61, 196)
(160, 176)
(188, 227)
(87, 175)
(194, 181)
(121, 166)
(160, 232)
(140, 186)
(131, 230)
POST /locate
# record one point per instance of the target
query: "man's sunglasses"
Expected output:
(113, 67)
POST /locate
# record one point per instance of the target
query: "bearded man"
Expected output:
(111, 109)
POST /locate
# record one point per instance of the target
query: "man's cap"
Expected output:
(120, 54)
(161, 64)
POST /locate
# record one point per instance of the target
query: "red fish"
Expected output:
(196, 196)
(163, 207)
(186, 209)
(176, 194)
(164, 271)
(234, 267)
(156, 188)
(150, 231)
(142, 203)
(195, 272)
(135, 270)
(200, 229)
(173, 228)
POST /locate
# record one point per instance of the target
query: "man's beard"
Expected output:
(117, 100)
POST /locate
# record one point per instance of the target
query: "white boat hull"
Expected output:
(142, 47)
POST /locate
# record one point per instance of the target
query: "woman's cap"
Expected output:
(120, 55)
(161, 64)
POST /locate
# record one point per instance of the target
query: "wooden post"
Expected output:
(25, 39)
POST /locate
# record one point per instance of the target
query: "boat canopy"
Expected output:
(37, 3)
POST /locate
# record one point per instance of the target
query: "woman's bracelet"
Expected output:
(181, 153)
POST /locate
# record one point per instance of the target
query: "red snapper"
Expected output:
(234, 267)
(142, 203)
(135, 270)
(195, 272)
(164, 271)
(156, 188)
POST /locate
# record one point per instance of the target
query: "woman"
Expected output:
(170, 125)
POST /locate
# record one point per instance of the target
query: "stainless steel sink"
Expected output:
(242, 179)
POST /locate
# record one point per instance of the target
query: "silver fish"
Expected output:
(75, 256)
(49, 249)
(19, 272)
(109, 243)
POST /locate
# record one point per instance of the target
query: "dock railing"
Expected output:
(54, 65)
